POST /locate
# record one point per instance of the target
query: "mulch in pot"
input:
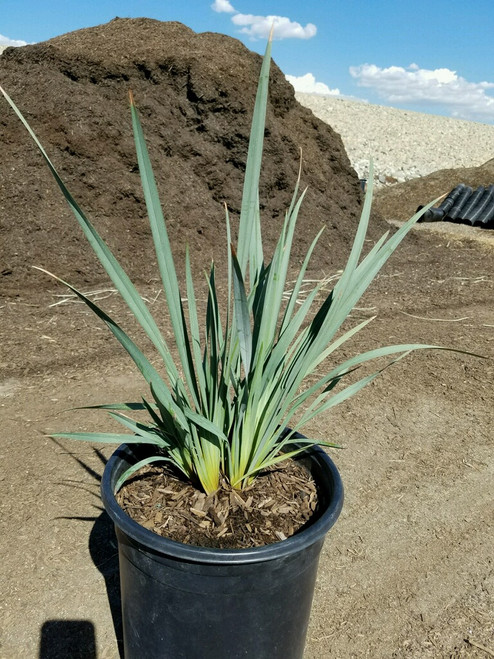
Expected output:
(281, 501)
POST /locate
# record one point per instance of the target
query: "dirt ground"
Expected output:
(406, 572)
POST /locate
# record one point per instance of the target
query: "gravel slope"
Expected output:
(403, 144)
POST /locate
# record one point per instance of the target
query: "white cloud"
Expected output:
(307, 84)
(259, 27)
(6, 42)
(222, 6)
(441, 87)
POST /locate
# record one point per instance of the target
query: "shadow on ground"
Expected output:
(67, 638)
(60, 639)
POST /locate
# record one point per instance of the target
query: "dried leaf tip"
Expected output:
(271, 33)
(131, 97)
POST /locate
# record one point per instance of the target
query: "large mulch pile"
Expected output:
(195, 93)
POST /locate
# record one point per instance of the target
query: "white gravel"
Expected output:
(402, 144)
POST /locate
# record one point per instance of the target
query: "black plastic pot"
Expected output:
(186, 602)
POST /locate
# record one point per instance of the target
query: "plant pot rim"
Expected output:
(320, 461)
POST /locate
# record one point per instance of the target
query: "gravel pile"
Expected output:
(404, 145)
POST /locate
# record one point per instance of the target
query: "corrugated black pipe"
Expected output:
(451, 199)
(472, 203)
(465, 205)
(483, 214)
(455, 212)
(437, 214)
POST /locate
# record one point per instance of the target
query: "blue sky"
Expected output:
(432, 56)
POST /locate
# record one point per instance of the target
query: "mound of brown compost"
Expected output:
(195, 93)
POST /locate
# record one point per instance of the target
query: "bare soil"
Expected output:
(407, 572)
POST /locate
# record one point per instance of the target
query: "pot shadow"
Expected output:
(103, 549)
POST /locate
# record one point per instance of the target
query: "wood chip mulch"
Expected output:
(279, 503)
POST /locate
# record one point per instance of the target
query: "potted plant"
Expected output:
(226, 412)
